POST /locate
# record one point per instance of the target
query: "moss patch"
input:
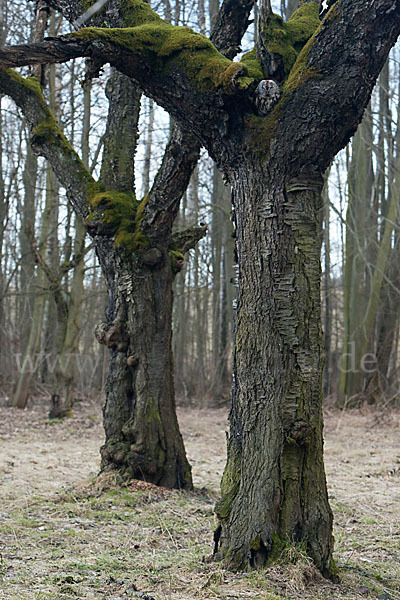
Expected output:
(284, 40)
(122, 212)
(334, 13)
(133, 12)
(300, 72)
(140, 242)
(118, 209)
(177, 259)
(166, 48)
(261, 131)
(229, 486)
(136, 12)
(252, 64)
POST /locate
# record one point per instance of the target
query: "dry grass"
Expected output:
(67, 535)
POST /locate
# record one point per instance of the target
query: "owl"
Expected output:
(267, 95)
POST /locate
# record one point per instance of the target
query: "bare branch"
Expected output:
(51, 51)
(188, 238)
(180, 158)
(333, 80)
(231, 25)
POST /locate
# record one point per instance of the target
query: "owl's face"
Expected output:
(268, 87)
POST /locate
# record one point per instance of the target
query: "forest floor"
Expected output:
(66, 535)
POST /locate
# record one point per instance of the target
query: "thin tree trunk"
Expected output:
(199, 293)
(3, 219)
(69, 305)
(227, 298)
(27, 233)
(148, 151)
(356, 283)
(69, 326)
(142, 433)
(389, 304)
(327, 294)
(216, 248)
(21, 394)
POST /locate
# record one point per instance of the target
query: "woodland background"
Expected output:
(51, 289)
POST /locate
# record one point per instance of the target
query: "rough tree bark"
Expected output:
(273, 489)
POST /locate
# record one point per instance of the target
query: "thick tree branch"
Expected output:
(47, 52)
(121, 135)
(231, 25)
(265, 58)
(180, 158)
(329, 86)
(182, 152)
(180, 69)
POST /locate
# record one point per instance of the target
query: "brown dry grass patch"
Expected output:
(66, 534)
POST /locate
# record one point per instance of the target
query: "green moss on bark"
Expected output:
(136, 12)
(166, 48)
(252, 64)
(334, 12)
(177, 259)
(277, 548)
(261, 131)
(285, 40)
(122, 212)
(153, 412)
(256, 544)
(229, 486)
(118, 209)
(300, 73)
(133, 12)
(140, 241)
(47, 131)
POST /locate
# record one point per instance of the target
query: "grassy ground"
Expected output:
(66, 535)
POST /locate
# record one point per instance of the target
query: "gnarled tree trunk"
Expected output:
(142, 433)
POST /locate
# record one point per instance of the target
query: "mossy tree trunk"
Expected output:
(142, 433)
(139, 256)
(273, 488)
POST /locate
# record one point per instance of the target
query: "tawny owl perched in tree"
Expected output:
(267, 95)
